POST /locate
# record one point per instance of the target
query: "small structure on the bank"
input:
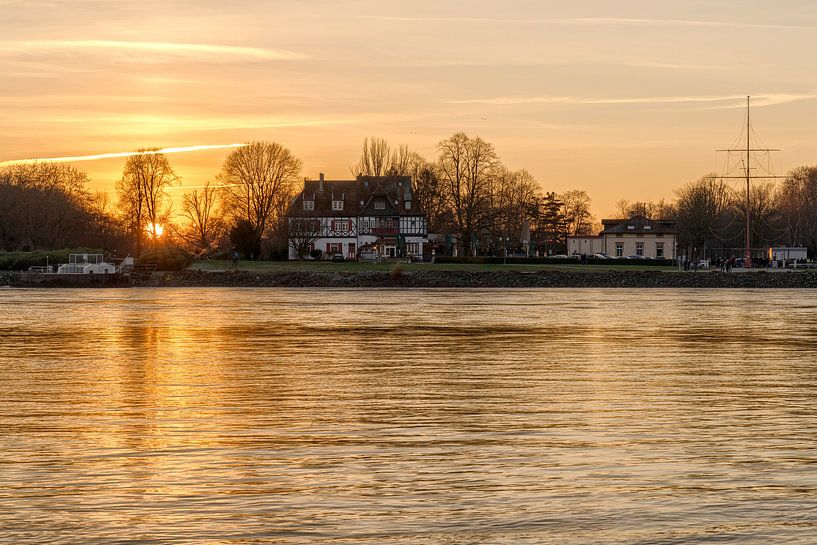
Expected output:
(86, 264)
(637, 236)
(785, 255)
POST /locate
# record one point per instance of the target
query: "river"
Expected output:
(237, 416)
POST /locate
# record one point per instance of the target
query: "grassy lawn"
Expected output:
(351, 266)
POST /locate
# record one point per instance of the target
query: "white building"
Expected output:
(372, 214)
(637, 236)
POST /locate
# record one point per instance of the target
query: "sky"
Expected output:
(626, 99)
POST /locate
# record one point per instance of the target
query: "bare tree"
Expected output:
(797, 201)
(516, 196)
(700, 207)
(654, 210)
(467, 167)
(143, 201)
(375, 159)
(205, 225)
(43, 205)
(260, 180)
(303, 232)
(578, 219)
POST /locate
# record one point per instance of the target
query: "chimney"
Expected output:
(320, 186)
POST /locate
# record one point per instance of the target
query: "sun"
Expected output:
(155, 229)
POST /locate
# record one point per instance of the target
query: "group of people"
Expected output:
(725, 264)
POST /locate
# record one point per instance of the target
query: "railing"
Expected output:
(384, 231)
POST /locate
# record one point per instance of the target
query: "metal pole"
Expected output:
(748, 253)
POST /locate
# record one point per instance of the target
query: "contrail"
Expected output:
(116, 155)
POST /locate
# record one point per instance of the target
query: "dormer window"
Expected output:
(408, 205)
(337, 205)
(380, 204)
(309, 205)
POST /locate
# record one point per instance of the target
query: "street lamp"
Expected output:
(505, 257)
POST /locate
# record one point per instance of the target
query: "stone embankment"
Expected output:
(486, 279)
(429, 279)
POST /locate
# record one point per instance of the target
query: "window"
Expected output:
(408, 205)
(631, 227)
(648, 227)
(335, 247)
(619, 249)
(342, 226)
(659, 250)
(337, 205)
(413, 248)
(639, 248)
(380, 204)
(309, 205)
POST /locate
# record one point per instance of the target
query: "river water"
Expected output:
(235, 416)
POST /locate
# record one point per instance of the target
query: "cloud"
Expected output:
(734, 101)
(118, 154)
(157, 50)
(596, 21)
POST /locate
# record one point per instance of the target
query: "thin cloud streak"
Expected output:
(595, 21)
(166, 48)
(118, 154)
(760, 100)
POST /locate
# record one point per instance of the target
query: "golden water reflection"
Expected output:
(389, 416)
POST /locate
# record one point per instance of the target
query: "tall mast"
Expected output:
(747, 175)
(748, 252)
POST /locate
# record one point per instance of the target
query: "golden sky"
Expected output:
(625, 99)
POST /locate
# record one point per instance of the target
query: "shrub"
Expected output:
(166, 258)
(396, 273)
(21, 261)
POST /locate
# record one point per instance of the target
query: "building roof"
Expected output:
(638, 225)
(365, 196)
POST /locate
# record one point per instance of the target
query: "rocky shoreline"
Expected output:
(486, 279)
(435, 279)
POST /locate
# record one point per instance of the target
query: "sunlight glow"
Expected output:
(155, 229)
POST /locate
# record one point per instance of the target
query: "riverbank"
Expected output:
(396, 278)
(486, 279)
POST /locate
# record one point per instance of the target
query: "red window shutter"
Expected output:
(328, 248)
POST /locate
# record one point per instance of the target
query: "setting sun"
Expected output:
(154, 229)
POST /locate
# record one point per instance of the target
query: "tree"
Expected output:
(653, 210)
(700, 207)
(143, 201)
(516, 195)
(204, 223)
(303, 232)
(259, 182)
(467, 168)
(45, 205)
(245, 239)
(797, 201)
(547, 223)
(376, 157)
(765, 218)
(578, 220)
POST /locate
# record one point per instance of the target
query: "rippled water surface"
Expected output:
(412, 417)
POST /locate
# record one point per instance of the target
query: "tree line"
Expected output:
(464, 189)
(711, 214)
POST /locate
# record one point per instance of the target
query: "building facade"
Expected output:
(638, 236)
(370, 216)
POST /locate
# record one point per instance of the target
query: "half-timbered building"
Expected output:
(375, 215)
